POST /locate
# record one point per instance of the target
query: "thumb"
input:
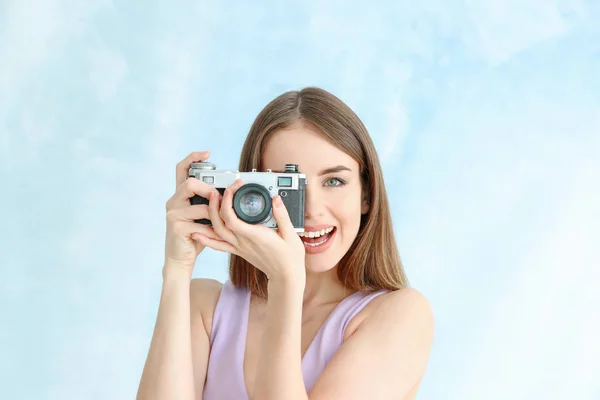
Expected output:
(284, 224)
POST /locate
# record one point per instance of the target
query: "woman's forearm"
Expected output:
(168, 372)
(279, 371)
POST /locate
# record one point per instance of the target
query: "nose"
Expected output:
(314, 207)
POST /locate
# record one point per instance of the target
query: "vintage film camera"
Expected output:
(252, 202)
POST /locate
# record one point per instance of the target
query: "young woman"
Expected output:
(326, 314)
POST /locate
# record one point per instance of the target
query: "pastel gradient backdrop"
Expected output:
(486, 115)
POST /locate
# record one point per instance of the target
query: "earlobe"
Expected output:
(365, 208)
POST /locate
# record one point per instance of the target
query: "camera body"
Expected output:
(252, 202)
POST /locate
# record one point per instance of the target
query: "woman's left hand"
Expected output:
(278, 253)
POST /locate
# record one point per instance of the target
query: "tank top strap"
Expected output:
(357, 302)
(331, 335)
(231, 313)
(225, 374)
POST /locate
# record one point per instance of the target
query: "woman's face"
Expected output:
(333, 194)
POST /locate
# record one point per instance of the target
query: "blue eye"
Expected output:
(334, 182)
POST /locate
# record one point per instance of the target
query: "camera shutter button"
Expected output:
(283, 193)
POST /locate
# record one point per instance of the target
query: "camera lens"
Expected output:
(252, 203)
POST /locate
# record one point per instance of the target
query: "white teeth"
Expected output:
(315, 234)
(316, 244)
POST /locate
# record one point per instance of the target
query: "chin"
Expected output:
(318, 266)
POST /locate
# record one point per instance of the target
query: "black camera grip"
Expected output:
(202, 200)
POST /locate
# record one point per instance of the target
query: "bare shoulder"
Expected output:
(204, 295)
(398, 304)
(407, 301)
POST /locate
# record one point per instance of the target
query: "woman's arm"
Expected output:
(177, 360)
(386, 356)
(279, 370)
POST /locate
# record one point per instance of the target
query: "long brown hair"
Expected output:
(373, 261)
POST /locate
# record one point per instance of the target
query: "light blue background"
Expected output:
(486, 115)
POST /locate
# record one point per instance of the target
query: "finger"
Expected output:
(227, 213)
(215, 218)
(189, 229)
(214, 244)
(188, 213)
(188, 189)
(284, 224)
(183, 167)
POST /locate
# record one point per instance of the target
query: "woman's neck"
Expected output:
(323, 288)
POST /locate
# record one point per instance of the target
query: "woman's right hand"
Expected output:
(181, 244)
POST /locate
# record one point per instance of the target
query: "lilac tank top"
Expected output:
(225, 374)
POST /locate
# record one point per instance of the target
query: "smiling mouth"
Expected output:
(317, 241)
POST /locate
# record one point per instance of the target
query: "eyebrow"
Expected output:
(326, 171)
(332, 170)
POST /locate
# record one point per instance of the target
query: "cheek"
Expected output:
(347, 210)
